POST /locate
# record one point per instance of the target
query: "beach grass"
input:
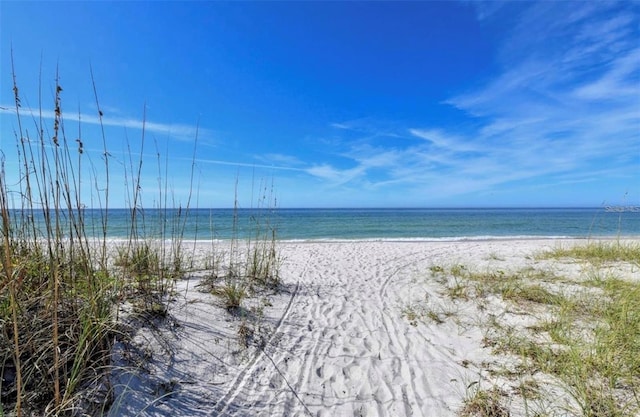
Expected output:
(63, 281)
(56, 292)
(584, 341)
(598, 252)
(484, 403)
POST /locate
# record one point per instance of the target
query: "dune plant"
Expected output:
(587, 338)
(599, 252)
(59, 291)
(55, 294)
(484, 403)
(253, 262)
(233, 292)
(61, 284)
(263, 261)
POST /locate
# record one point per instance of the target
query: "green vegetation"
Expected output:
(484, 403)
(56, 293)
(585, 336)
(232, 294)
(62, 281)
(599, 252)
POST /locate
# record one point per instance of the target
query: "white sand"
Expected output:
(337, 341)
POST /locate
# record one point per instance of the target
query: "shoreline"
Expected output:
(460, 239)
(376, 239)
(366, 224)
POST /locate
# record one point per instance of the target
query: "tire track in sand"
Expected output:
(343, 348)
(227, 400)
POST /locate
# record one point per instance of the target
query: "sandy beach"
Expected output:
(357, 328)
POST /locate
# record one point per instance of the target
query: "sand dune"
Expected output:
(337, 340)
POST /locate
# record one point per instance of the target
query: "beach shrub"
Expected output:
(233, 292)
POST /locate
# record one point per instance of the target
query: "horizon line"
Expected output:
(630, 207)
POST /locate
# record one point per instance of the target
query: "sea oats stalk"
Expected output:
(61, 285)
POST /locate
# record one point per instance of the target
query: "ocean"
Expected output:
(367, 224)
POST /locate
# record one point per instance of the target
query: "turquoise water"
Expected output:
(375, 224)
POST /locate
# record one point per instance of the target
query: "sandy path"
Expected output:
(344, 348)
(339, 341)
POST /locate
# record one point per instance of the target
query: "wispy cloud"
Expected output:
(368, 128)
(177, 131)
(243, 164)
(277, 159)
(446, 141)
(572, 102)
(565, 108)
(335, 176)
(616, 84)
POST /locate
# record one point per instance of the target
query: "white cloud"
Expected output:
(243, 164)
(279, 159)
(563, 110)
(620, 82)
(562, 105)
(334, 175)
(177, 131)
(443, 140)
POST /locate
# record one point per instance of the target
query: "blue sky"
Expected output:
(340, 104)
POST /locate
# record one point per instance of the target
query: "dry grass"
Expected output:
(484, 403)
(60, 287)
(599, 252)
(585, 342)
